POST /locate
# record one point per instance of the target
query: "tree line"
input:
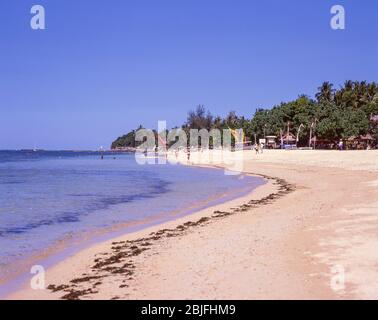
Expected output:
(333, 114)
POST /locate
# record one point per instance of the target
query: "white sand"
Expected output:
(298, 247)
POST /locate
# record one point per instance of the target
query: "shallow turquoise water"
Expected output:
(47, 196)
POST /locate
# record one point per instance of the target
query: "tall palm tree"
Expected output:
(325, 92)
(372, 91)
(348, 85)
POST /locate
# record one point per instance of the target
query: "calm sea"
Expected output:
(48, 197)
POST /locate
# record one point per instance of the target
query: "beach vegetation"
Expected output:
(331, 115)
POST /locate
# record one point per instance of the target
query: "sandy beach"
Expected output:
(309, 233)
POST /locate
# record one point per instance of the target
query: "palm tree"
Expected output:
(325, 93)
(372, 91)
(348, 85)
(343, 97)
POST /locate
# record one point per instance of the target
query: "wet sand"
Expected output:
(315, 222)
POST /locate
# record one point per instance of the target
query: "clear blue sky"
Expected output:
(103, 67)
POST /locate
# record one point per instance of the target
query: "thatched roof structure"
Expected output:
(289, 138)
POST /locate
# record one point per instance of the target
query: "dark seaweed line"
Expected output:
(120, 261)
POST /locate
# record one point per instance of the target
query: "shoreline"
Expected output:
(287, 248)
(55, 255)
(157, 231)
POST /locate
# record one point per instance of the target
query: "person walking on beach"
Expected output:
(256, 147)
(341, 145)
